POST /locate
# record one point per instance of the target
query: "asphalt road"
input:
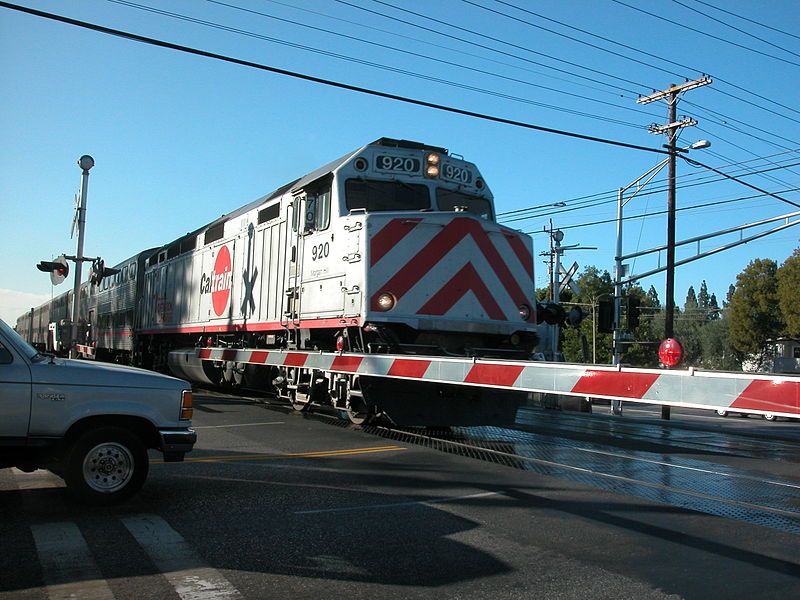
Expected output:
(279, 505)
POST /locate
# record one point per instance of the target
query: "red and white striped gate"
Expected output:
(692, 388)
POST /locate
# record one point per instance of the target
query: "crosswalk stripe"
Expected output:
(68, 567)
(191, 577)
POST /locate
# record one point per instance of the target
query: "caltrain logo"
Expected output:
(218, 283)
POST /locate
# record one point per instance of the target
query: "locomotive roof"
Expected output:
(303, 181)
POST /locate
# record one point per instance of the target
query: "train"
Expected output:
(391, 248)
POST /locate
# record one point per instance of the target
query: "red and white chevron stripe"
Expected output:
(742, 392)
(453, 264)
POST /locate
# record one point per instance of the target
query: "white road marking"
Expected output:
(68, 567)
(191, 577)
(396, 504)
(239, 425)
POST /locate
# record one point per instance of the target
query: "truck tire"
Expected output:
(105, 466)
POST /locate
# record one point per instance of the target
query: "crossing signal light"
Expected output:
(99, 271)
(634, 311)
(58, 269)
(553, 313)
(605, 316)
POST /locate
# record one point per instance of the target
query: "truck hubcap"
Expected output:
(107, 467)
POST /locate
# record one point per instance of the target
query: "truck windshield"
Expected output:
(450, 199)
(375, 195)
(13, 338)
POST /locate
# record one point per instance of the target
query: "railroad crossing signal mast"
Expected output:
(671, 130)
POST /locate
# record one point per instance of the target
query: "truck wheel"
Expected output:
(106, 466)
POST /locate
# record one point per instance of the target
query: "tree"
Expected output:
(702, 297)
(713, 308)
(788, 286)
(754, 311)
(691, 300)
(731, 292)
(652, 296)
(594, 285)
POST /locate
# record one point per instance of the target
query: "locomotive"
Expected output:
(392, 248)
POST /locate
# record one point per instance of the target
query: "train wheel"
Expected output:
(358, 410)
(301, 394)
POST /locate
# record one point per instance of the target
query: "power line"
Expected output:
(705, 33)
(494, 39)
(611, 196)
(416, 40)
(600, 37)
(426, 57)
(734, 119)
(683, 66)
(662, 212)
(747, 33)
(738, 16)
(564, 35)
(363, 90)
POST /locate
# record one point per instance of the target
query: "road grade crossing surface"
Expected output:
(280, 504)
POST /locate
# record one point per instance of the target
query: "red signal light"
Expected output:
(670, 353)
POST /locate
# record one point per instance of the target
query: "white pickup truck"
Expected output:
(89, 423)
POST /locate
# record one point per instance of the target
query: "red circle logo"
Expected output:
(221, 281)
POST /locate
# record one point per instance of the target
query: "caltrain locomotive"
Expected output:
(392, 248)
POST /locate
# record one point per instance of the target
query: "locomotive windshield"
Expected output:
(450, 199)
(375, 195)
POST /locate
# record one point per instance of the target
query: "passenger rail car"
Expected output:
(393, 247)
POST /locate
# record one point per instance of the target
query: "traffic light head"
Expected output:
(58, 269)
(99, 271)
(634, 311)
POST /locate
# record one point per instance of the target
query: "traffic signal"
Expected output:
(605, 316)
(99, 270)
(58, 269)
(550, 312)
(633, 312)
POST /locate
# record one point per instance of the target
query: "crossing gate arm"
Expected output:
(736, 392)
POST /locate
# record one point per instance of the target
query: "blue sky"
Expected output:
(179, 140)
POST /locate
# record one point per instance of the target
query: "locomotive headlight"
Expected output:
(386, 302)
(524, 311)
(432, 162)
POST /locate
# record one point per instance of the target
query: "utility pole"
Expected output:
(85, 162)
(671, 130)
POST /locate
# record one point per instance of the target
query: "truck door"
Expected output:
(15, 394)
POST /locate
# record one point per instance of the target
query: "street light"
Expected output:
(640, 182)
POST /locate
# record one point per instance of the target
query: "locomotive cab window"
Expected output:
(375, 196)
(317, 209)
(451, 200)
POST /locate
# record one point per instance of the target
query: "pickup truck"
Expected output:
(90, 424)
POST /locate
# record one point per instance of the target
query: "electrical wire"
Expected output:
(644, 52)
(662, 212)
(705, 33)
(611, 196)
(418, 41)
(310, 78)
(742, 31)
(564, 35)
(494, 39)
(748, 20)
(380, 66)
(427, 57)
